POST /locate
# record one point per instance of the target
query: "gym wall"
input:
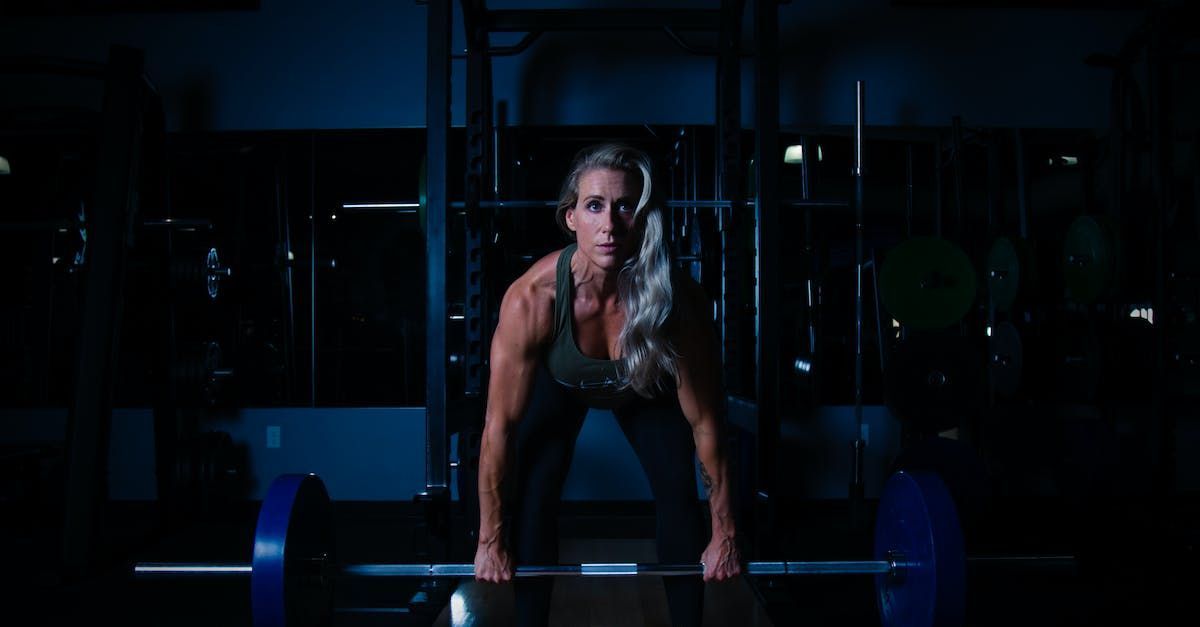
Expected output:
(306, 64)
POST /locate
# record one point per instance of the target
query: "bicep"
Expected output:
(514, 359)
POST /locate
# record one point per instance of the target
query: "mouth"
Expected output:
(608, 248)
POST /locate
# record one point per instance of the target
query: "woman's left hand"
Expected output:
(722, 560)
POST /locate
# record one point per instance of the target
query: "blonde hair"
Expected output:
(644, 282)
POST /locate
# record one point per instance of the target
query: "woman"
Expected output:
(604, 323)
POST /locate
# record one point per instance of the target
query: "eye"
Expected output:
(593, 205)
(625, 207)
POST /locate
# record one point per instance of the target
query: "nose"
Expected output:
(613, 221)
(609, 223)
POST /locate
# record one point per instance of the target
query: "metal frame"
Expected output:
(766, 262)
(523, 20)
(110, 234)
(476, 222)
(729, 186)
(737, 283)
(437, 121)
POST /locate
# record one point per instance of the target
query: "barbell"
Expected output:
(919, 562)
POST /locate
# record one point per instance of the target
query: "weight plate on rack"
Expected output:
(927, 283)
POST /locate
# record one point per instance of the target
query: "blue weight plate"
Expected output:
(294, 538)
(917, 519)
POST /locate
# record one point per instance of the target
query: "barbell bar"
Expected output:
(668, 204)
(599, 569)
(415, 207)
(919, 563)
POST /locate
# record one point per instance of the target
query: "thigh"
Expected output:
(662, 438)
(545, 442)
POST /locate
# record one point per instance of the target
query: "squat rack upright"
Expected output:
(750, 299)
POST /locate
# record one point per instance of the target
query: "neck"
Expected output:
(592, 280)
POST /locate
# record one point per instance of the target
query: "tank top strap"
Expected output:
(562, 291)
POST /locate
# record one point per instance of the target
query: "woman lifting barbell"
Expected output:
(607, 323)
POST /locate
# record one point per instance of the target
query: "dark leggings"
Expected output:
(662, 439)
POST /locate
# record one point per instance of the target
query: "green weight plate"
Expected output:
(927, 283)
(1089, 259)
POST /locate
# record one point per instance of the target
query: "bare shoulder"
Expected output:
(528, 306)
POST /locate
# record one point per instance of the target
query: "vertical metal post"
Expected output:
(908, 190)
(1022, 187)
(995, 226)
(995, 201)
(859, 444)
(313, 220)
(811, 286)
(110, 233)
(437, 120)
(959, 159)
(728, 180)
(479, 152)
(937, 184)
(1158, 90)
(767, 244)
(729, 187)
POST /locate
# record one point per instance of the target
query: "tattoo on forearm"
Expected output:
(704, 476)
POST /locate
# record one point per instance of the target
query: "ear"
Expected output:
(570, 217)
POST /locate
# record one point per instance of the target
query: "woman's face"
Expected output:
(602, 217)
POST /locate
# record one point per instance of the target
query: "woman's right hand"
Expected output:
(493, 563)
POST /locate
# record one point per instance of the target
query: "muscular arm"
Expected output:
(521, 331)
(700, 398)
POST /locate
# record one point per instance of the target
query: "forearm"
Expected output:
(493, 464)
(714, 472)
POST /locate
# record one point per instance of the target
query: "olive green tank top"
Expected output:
(595, 382)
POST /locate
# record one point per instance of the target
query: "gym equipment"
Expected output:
(933, 380)
(917, 513)
(1090, 259)
(191, 273)
(199, 373)
(927, 283)
(1010, 271)
(208, 471)
(919, 564)
(1004, 359)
